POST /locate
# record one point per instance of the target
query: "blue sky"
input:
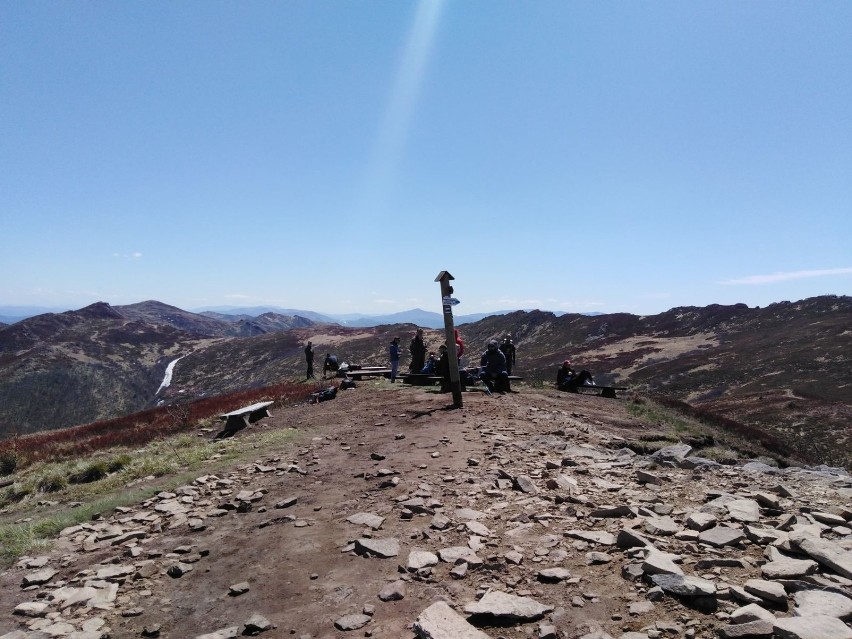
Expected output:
(336, 156)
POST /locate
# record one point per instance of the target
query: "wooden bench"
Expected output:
(361, 373)
(603, 391)
(422, 379)
(242, 417)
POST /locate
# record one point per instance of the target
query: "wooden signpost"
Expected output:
(447, 301)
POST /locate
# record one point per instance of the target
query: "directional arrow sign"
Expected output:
(450, 300)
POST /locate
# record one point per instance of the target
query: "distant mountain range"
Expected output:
(417, 316)
(785, 368)
(425, 319)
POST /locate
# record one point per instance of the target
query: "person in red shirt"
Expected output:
(459, 346)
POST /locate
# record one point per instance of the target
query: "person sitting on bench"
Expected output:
(494, 373)
(431, 365)
(567, 379)
(330, 365)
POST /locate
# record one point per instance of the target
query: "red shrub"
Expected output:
(140, 428)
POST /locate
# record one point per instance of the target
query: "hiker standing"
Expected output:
(393, 352)
(459, 346)
(417, 348)
(508, 349)
(309, 358)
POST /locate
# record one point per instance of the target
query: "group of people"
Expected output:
(421, 364)
(495, 364)
(329, 365)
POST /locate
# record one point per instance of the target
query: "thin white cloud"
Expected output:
(237, 296)
(128, 256)
(785, 277)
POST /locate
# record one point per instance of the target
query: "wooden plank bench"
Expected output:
(361, 373)
(421, 379)
(602, 391)
(242, 417)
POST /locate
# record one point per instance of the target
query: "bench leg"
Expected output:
(608, 392)
(233, 424)
(258, 415)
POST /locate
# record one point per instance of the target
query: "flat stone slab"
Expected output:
(115, 573)
(466, 514)
(661, 526)
(477, 528)
(506, 606)
(825, 552)
(751, 612)
(766, 590)
(68, 596)
(439, 621)
(788, 568)
(352, 622)
(684, 585)
(526, 485)
(675, 453)
(595, 536)
(700, 521)
(660, 563)
(747, 630)
(815, 603)
(720, 536)
(745, 510)
(225, 633)
(383, 548)
(829, 519)
(630, 538)
(553, 575)
(372, 520)
(31, 609)
(811, 628)
(38, 577)
(393, 591)
(419, 558)
(455, 553)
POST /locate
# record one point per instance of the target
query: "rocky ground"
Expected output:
(395, 516)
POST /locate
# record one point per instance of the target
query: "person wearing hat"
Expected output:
(508, 349)
(493, 372)
(393, 351)
(567, 379)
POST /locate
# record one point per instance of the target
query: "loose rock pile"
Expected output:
(539, 524)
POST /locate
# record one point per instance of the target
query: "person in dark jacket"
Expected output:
(417, 348)
(393, 354)
(508, 349)
(493, 372)
(330, 365)
(309, 358)
(567, 379)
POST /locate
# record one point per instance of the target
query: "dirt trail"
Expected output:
(404, 454)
